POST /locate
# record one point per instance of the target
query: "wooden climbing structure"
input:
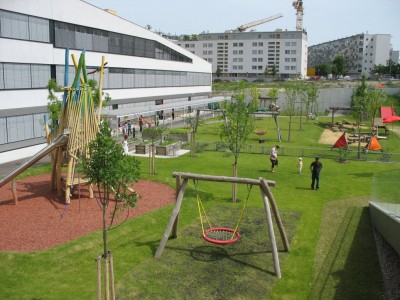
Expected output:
(79, 121)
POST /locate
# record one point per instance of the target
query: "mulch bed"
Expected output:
(42, 220)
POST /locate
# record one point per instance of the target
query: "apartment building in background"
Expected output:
(143, 69)
(247, 54)
(361, 52)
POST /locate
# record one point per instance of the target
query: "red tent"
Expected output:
(387, 111)
(341, 142)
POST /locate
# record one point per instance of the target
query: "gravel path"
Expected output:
(390, 266)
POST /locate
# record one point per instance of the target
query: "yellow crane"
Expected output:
(298, 5)
(244, 27)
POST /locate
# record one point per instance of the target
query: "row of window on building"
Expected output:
(23, 27)
(19, 128)
(28, 76)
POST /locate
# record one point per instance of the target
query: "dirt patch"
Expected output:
(329, 137)
(41, 219)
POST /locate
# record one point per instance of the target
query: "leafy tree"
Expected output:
(274, 71)
(273, 94)
(359, 105)
(266, 72)
(240, 122)
(293, 92)
(111, 172)
(96, 94)
(194, 123)
(153, 134)
(54, 104)
(340, 64)
(323, 69)
(311, 94)
(375, 98)
(218, 72)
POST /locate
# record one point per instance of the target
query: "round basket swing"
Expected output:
(218, 235)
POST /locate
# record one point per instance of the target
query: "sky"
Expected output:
(323, 20)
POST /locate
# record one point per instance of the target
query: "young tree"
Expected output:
(194, 123)
(240, 122)
(266, 72)
(218, 72)
(293, 92)
(274, 71)
(54, 104)
(273, 94)
(111, 172)
(153, 134)
(96, 94)
(375, 98)
(359, 105)
(312, 92)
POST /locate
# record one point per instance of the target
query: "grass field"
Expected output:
(332, 255)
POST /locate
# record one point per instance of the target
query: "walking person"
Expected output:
(273, 157)
(315, 169)
(129, 127)
(141, 123)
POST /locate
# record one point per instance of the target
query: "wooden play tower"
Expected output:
(78, 125)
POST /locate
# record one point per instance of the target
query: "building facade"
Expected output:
(143, 68)
(361, 52)
(247, 54)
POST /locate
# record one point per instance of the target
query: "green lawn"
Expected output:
(332, 249)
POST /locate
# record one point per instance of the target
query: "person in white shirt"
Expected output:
(300, 165)
(274, 158)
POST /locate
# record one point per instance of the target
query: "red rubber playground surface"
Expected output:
(41, 220)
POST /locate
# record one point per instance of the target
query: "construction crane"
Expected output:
(255, 23)
(298, 5)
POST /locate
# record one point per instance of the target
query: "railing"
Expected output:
(327, 152)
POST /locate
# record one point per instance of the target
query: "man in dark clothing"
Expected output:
(315, 169)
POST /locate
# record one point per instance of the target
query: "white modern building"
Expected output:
(247, 54)
(361, 52)
(143, 68)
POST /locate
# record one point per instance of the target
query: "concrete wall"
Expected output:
(339, 97)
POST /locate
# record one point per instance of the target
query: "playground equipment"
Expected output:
(219, 235)
(273, 114)
(267, 197)
(77, 127)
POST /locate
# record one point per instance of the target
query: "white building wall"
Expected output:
(239, 60)
(17, 52)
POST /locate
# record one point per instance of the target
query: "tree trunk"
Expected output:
(301, 114)
(192, 144)
(153, 153)
(234, 185)
(359, 142)
(290, 127)
(104, 208)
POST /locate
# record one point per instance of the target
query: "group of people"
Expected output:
(315, 167)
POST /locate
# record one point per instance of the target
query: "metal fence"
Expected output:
(327, 152)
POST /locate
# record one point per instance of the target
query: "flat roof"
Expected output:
(145, 110)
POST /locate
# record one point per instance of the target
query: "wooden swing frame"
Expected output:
(267, 196)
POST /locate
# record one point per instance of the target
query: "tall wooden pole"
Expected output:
(274, 207)
(176, 223)
(100, 90)
(271, 233)
(172, 219)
